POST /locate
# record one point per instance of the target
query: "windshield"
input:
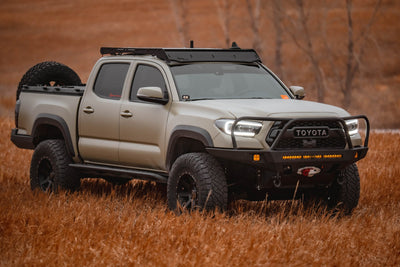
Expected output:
(226, 81)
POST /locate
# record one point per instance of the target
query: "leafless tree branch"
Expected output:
(277, 21)
(309, 51)
(180, 10)
(330, 53)
(353, 58)
(254, 14)
(224, 14)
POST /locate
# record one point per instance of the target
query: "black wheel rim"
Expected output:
(46, 175)
(187, 192)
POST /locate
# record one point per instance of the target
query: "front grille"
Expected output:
(336, 138)
(329, 123)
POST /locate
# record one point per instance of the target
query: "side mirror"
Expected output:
(298, 91)
(152, 94)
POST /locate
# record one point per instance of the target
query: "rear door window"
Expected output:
(110, 80)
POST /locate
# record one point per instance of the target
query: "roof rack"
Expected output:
(188, 54)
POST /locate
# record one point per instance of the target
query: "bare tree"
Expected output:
(354, 59)
(224, 13)
(300, 34)
(254, 14)
(179, 7)
(354, 52)
(277, 18)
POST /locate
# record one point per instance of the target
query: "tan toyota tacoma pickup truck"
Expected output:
(213, 124)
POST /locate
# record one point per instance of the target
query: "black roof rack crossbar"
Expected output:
(188, 54)
(158, 52)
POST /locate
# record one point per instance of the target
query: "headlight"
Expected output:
(352, 126)
(243, 128)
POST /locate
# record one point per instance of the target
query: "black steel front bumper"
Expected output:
(284, 161)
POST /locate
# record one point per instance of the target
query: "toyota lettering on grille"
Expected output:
(314, 132)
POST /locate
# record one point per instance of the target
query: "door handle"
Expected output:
(88, 110)
(126, 114)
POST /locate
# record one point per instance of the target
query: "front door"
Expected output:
(142, 124)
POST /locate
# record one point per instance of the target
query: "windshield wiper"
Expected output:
(197, 99)
(209, 98)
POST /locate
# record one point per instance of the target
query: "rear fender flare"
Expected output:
(60, 124)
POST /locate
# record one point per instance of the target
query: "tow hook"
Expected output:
(340, 179)
(277, 180)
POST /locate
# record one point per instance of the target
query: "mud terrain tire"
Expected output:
(197, 182)
(345, 191)
(50, 170)
(49, 73)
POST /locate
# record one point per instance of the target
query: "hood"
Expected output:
(288, 108)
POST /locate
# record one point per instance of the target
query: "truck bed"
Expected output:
(56, 103)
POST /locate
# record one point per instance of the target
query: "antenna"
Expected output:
(234, 46)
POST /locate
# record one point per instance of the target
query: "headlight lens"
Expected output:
(243, 128)
(352, 126)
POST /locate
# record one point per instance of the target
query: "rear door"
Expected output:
(142, 128)
(99, 113)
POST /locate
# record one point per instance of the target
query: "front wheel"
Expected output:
(345, 191)
(197, 181)
(50, 168)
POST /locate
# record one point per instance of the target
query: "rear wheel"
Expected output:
(197, 181)
(50, 168)
(345, 191)
(49, 73)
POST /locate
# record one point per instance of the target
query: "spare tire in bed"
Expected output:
(49, 73)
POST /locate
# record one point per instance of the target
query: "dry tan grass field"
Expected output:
(121, 225)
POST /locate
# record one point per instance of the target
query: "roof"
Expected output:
(188, 54)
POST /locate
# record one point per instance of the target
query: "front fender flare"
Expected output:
(190, 132)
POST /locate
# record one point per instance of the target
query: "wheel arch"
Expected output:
(49, 126)
(186, 139)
